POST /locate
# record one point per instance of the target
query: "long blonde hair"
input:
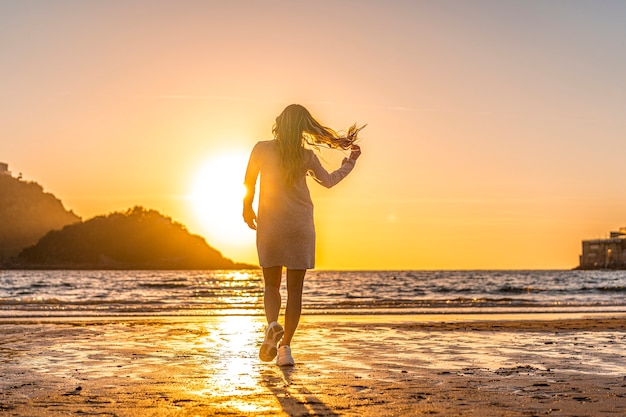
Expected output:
(294, 128)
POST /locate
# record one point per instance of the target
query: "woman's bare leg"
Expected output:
(271, 296)
(295, 281)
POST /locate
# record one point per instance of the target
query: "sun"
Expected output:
(216, 198)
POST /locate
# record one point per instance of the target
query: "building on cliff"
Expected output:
(605, 253)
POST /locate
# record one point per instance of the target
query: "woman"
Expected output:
(284, 225)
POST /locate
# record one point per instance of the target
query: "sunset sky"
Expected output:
(496, 130)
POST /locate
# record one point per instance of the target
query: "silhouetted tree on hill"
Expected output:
(27, 213)
(136, 239)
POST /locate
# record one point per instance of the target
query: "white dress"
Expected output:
(285, 229)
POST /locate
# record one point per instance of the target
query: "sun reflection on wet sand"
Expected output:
(231, 343)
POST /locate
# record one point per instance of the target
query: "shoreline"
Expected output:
(352, 365)
(323, 316)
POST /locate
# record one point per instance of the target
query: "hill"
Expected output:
(27, 213)
(136, 239)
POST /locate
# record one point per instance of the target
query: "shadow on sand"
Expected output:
(295, 399)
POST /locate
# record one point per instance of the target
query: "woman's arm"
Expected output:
(331, 179)
(252, 173)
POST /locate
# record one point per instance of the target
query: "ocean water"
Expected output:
(121, 293)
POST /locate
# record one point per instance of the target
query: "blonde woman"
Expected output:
(284, 224)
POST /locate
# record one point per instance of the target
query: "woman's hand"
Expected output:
(356, 152)
(249, 216)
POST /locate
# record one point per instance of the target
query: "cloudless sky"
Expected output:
(496, 129)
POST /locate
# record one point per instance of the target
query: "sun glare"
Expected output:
(216, 197)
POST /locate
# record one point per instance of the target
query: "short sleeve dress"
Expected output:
(285, 229)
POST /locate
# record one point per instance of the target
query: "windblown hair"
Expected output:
(294, 128)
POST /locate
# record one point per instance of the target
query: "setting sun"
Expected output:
(216, 198)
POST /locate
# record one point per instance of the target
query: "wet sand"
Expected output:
(483, 365)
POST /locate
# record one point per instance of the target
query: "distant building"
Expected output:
(605, 253)
(4, 169)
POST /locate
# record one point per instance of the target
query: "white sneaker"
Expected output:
(284, 357)
(273, 334)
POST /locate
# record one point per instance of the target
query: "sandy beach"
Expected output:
(472, 365)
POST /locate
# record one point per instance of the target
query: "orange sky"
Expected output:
(495, 133)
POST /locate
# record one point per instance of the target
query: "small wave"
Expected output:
(519, 290)
(28, 300)
(221, 292)
(458, 290)
(355, 296)
(434, 303)
(614, 289)
(164, 286)
(55, 301)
